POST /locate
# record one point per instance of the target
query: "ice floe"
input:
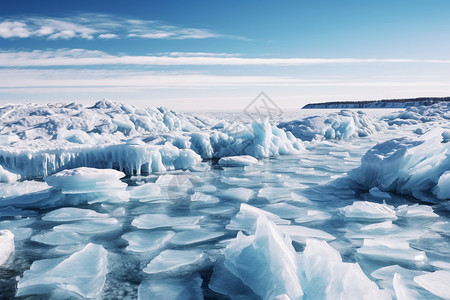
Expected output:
(153, 221)
(237, 161)
(364, 210)
(143, 241)
(186, 287)
(81, 274)
(392, 250)
(173, 260)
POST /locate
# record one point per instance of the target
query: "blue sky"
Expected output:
(214, 55)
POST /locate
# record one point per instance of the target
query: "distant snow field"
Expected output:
(116, 202)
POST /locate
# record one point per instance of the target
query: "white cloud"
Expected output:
(81, 57)
(90, 26)
(14, 29)
(108, 36)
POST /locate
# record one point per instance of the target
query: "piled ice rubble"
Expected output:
(265, 263)
(51, 138)
(419, 114)
(406, 165)
(343, 125)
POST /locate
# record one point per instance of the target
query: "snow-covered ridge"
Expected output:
(39, 140)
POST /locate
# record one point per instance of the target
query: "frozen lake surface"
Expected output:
(344, 205)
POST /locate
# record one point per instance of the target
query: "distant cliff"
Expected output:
(391, 103)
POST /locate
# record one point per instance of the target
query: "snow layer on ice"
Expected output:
(7, 245)
(82, 273)
(343, 125)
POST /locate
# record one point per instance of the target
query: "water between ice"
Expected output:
(166, 234)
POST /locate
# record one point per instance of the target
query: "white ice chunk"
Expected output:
(442, 190)
(437, 283)
(22, 188)
(245, 219)
(145, 192)
(399, 281)
(275, 194)
(239, 194)
(202, 198)
(195, 236)
(6, 245)
(382, 225)
(323, 275)
(68, 214)
(265, 262)
(416, 211)
(82, 274)
(364, 210)
(143, 241)
(404, 165)
(392, 250)
(186, 287)
(171, 260)
(6, 176)
(86, 180)
(300, 234)
(402, 291)
(237, 161)
(152, 221)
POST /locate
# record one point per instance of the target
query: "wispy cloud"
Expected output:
(91, 26)
(84, 78)
(82, 57)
